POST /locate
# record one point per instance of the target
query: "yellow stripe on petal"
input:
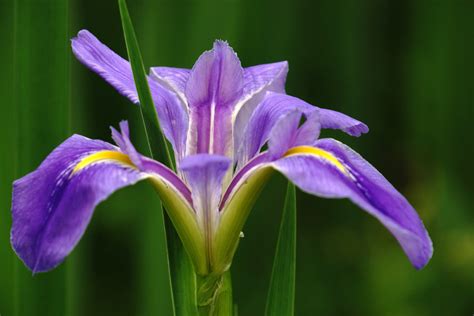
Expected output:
(103, 155)
(319, 153)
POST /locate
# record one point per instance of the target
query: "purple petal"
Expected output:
(103, 61)
(354, 178)
(258, 80)
(205, 174)
(336, 120)
(122, 139)
(287, 133)
(51, 208)
(173, 78)
(117, 72)
(273, 108)
(265, 77)
(53, 205)
(214, 86)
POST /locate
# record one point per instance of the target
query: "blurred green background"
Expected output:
(403, 67)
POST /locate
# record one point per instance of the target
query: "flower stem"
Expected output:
(214, 295)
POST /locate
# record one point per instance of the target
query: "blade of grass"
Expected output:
(8, 130)
(42, 98)
(183, 276)
(281, 295)
(156, 18)
(156, 143)
(156, 139)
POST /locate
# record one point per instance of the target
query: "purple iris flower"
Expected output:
(230, 128)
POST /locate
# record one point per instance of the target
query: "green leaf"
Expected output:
(183, 276)
(156, 143)
(8, 136)
(156, 140)
(281, 296)
(42, 101)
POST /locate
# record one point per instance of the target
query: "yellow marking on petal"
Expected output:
(318, 153)
(103, 155)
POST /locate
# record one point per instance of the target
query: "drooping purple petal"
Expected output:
(53, 205)
(258, 80)
(214, 86)
(51, 208)
(205, 174)
(345, 174)
(117, 72)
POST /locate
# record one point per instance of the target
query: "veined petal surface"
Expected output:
(214, 86)
(258, 80)
(205, 174)
(273, 108)
(117, 72)
(51, 206)
(333, 170)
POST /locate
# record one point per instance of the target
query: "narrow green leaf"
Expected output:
(156, 140)
(42, 99)
(157, 143)
(8, 134)
(281, 295)
(183, 276)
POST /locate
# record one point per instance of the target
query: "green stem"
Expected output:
(214, 295)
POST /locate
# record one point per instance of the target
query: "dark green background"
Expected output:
(403, 67)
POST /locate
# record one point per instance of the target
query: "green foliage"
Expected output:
(42, 105)
(281, 295)
(156, 143)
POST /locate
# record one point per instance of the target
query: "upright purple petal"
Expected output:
(214, 86)
(51, 206)
(122, 139)
(117, 72)
(174, 79)
(205, 174)
(258, 80)
(333, 170)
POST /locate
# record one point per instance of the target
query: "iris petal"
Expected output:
(53, 205)
(321, 175)
(117, 72)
